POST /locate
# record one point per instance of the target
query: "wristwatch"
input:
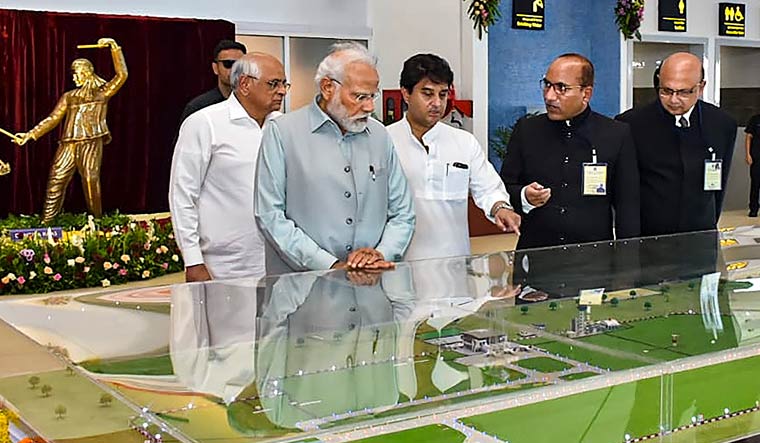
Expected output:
(500, 206)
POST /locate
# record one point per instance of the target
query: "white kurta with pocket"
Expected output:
(441, 181)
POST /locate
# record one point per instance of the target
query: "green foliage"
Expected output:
(60, 411)
(111, 250)
(66, 221)
(553, 305)
(628, 17)
(648, 305)
(483, 13)
(615, 302)
(502, 135)
(524, 309)
(46, 390)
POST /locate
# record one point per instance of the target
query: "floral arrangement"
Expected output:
(483, 14)
(111, 250)
(628, 16)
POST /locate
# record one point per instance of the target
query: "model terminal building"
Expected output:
(582, 325)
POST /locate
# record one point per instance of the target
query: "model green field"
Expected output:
(425, 434)
(608, 414)
(84, 416)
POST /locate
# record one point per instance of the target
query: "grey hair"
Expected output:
(341, 55)
(242, 67)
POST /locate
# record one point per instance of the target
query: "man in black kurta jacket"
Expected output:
(543, 171)
(543, 168)
(674, 136)
(677, 137)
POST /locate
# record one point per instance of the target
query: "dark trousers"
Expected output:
(754, 185)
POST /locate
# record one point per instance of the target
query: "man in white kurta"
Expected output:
(212, 179)
(443, 166)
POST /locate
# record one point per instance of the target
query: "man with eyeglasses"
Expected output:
(330, 192)
(443, 165)
(684, 148)
(571, 173)
(226, 53)
(211, 184)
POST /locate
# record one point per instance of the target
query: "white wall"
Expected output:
(402, 28)
(702, 19)
(309, 14)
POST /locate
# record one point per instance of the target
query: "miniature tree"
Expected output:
(615, 302)
(632, 293)
(524, 309)
(60, 411)
(552, 305)
(604, 297)
(648, 305)
(691, 285)
(46, 390)
(69, 371)
(34, 381)
(106, 399)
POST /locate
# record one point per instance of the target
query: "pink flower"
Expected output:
(165, 265)
(46, 259)
(122, 272)
(116, 265)
(21, 280)
(57, 277)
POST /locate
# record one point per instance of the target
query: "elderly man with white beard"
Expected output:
(330, 192)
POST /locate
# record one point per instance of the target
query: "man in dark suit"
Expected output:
(572, 173)
(681, 143)
(752, 154)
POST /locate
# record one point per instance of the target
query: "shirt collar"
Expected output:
(428, 137)
(687, 115)
(238, 112)
(319, 118)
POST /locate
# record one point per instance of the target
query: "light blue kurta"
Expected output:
(320, 194)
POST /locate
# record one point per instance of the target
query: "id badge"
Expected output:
(594, 179)
(713, 175)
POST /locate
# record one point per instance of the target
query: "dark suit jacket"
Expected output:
(552, 154)
(673, 198)
(208, 98)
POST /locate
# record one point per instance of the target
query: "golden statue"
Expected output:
(84, 131)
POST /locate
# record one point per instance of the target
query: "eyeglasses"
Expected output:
(679, 93)
(276, 83)
(559, 87)
(226, 63)
(273, 84)
(358, 96)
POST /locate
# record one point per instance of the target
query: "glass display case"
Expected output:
(653, 339)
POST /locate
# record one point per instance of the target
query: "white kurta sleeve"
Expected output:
(486, 186)
(192, 155)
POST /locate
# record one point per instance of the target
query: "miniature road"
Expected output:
(447, 415)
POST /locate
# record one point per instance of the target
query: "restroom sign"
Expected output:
(732, 19)
(671, 15)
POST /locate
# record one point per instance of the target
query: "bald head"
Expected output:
(681, 82)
